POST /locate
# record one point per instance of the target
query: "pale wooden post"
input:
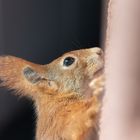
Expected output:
(120, 117)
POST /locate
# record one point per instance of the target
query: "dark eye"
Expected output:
(68, 61)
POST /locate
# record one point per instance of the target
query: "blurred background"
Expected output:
(40, 31)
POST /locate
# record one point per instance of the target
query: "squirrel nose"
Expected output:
(98, 51)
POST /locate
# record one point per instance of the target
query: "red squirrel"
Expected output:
(65, 109)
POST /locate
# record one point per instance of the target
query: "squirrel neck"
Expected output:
(49, 108)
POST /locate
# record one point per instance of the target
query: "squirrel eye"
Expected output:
(68, 61)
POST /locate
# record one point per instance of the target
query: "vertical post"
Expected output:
(120, 118)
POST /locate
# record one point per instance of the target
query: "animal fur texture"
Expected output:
(66, 107)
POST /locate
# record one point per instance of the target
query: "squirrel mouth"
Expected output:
(98, 73)
(88, 92)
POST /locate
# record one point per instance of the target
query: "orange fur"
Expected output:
(65, 110)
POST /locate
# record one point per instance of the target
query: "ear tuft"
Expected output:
(19, 74)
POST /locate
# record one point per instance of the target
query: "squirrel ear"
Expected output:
(32, 76)
(36, 78)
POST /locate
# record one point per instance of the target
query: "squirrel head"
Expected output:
(67, 74)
